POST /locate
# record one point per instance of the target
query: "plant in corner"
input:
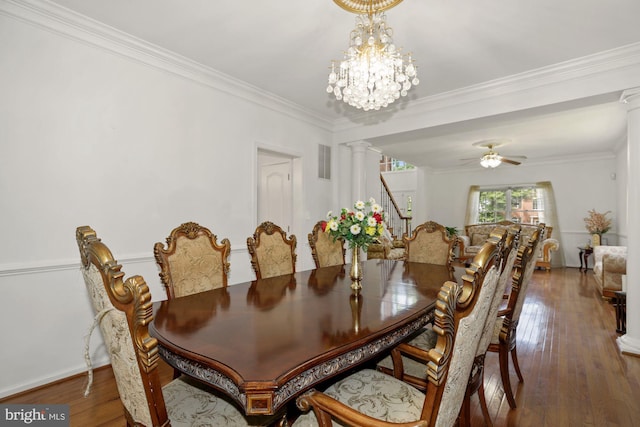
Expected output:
(597, 224)
(452, 231)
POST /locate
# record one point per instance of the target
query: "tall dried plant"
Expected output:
(597, 223)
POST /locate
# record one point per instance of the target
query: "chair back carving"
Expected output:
(272, 252)
(324, 249)
(430, 243)
(476, 294)
(192, 261)
(127, 311)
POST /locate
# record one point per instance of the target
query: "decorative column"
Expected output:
(630, 343)
(358, 169)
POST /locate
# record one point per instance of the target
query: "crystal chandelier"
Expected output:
(373, 73)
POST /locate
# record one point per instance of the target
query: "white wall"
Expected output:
(581, 185)
(578, 187)
(93, 137)
(404, 184)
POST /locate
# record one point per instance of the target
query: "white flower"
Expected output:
(359, 215)
(375, 208)
(329, 214)
(371, 222)
(333, 226)
(359, 205)
(355, 229)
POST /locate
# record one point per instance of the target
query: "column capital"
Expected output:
(358, 145)
(631, 97)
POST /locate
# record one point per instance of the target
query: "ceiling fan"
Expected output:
(492, 159)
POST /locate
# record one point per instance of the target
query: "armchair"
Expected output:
(124, 312)
(372, 398)
(610, 263)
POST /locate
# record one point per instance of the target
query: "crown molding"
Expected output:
(579, 72)
(54, 18)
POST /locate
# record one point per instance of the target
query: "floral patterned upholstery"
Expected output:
(125, 311)
(427, 339)
(190, 404)
(503, 340)
(429, 243)
(387, 398)
(272, 253)
(324, 250)
(193, 260)
(375, 394)
(610, 263)
(471, 241)
(117, 338)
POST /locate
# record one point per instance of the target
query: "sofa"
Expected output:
(386, 248)
(475, 235)
(610, 264)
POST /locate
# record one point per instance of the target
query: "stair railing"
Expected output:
(398, 224)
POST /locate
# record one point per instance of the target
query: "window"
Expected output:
(388, 164)
(518, 204)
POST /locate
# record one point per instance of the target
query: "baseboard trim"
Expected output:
(18, 389)
(629, 346)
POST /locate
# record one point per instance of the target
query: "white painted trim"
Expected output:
(20, 269)
(37, 382)
(628, 345)
(603, 73)
(72, 25)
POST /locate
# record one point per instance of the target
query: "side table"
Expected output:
(621, 312)
(584, 256)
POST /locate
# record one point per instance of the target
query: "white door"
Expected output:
(274, 194)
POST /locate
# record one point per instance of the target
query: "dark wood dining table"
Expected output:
(265, 342)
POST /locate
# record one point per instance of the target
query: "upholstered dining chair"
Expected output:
(192, 261)
(430, 243)
(476, 380)
(372, 398)
(413, 370)
(324, 249)
(124, 312)
(503, 340)
(272, 252)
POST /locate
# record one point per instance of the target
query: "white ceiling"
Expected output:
(285, 47)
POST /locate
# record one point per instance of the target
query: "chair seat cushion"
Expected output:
(374, 394)
(191, 404)
(495, 339)
(426, 340)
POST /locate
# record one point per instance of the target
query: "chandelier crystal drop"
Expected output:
(374, 73)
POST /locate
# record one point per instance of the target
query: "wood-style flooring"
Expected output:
(574, 374)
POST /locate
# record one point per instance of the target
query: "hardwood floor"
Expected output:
(573, 371)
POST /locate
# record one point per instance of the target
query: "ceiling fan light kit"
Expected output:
(492, 159)
(374, 73)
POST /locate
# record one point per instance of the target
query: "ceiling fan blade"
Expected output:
(511, 162)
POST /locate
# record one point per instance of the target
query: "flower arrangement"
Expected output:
(597, 223)
(360, 227)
